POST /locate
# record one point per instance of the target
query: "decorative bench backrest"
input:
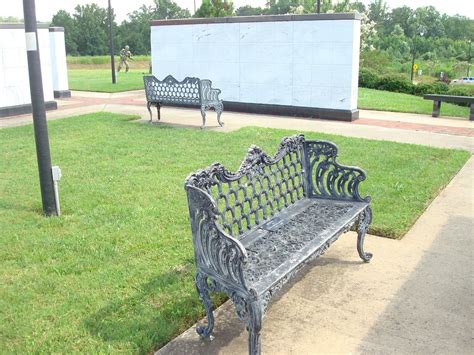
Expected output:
(261, 187)
(169, 90)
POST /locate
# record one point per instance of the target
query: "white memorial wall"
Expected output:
(14, 79)
(305, 64)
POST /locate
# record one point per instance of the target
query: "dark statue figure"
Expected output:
(125, 56)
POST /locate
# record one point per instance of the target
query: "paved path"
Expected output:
(399, 127)
(415, 297)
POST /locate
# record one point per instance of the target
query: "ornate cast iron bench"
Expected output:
(254, 229)
(189, 92)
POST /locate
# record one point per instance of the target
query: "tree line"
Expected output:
(389, 32)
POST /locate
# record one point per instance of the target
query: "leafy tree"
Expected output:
(279, 7)
(64, 19)
(430, 19)
(458, 27)
(91, 29)
(168, 9)
(378, 11)
(215, 8)
(248, 10)
(402, 16)
(10, 19)
(135, 31)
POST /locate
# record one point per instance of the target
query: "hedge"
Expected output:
(370, 79)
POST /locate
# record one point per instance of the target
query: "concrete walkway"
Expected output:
(415, 297)
(400, 127)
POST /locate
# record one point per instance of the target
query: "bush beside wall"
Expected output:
(370, 79)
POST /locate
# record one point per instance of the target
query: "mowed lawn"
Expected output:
(380, 100)
(100, 80)
(115, 272)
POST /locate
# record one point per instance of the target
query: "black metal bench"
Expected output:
(189, 92)
(254, 229)
(437, 99)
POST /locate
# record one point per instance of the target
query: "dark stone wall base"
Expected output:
(24, 109)
(296, 111)
(62, 94)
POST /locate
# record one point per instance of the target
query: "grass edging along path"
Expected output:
(380, 100)
(115, 271)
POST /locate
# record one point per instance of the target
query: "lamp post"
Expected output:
(414, 52)
(318, 6)
(469, 59)
(40, 125)
(111, 45)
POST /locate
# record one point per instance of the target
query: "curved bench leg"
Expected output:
(203, 290)
(158, 108)
(148, 106)
(219, 110)
(254, 326)
(362, 225)
(203, 114)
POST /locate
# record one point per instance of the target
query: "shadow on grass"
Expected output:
(159, 310)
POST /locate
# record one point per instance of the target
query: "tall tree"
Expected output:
(91, 29)
(248, 10)
(378, 10)
(64, 19)
(215, 8)
(168, 9)
(10, 19)
(135, 31)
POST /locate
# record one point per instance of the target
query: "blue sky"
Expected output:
(46, 8)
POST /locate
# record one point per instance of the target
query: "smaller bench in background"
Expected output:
(189, 92)
(437, 99)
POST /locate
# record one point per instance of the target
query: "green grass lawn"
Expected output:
(115, 272)
(101, 80)
(371, 99)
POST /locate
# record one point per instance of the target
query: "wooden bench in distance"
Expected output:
(437, 99)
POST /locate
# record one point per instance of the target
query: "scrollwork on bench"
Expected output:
(328, 178)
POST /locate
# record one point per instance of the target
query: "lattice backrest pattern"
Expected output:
(260, 188)
(186, 92)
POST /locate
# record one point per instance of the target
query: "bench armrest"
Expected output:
(326, 178)
(209, 94)
(217, 253)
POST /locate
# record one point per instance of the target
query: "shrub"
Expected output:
(423, 89)
(395, 84)
(460, 91)
(368, 79)
(433, 88)
(440, 87)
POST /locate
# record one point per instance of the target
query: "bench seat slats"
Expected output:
(307, 226)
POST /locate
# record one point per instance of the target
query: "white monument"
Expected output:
(14, 80)
(301, 65)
